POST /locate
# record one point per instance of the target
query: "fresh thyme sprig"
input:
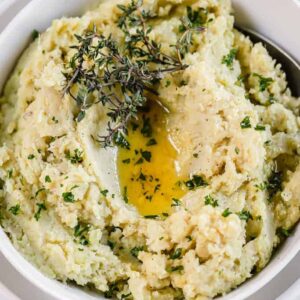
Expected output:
(101, 71)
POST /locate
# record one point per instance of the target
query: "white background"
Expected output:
(26, 291)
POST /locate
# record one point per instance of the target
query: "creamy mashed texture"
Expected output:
(218, 185)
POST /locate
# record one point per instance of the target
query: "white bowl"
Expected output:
(277, 19)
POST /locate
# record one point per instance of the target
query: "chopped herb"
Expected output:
(47, 178)
(246, 123)
(15, 210)
(125, 195)
(35, 34)
(126, 161)
(261, 186)
(264, 82)
(135, 251)
(283, 232)
(80, 232)
(229, 58)
(209, 200)
(260, 127)
(176, 254)
(142, 176)
(54, 120)
(176, 202)
(245, 215)
(151, 216)
(151, 142)
(236, 150)
(195, 155)
(10, 173)
(68, 197)
(41, 207)
(195, 182)
(175, 269)
(31, 156)
(76, 157)
(226, 213)
(275, 183)
(146, 130)
(168, 82)
(189, 238)
(104, 192)
(146, 155)
(139, 161)
(111, 244)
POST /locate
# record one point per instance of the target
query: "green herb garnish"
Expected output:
(264, 82)
(176, 254)
(15, 210)
(135, 251)
(100, 66)
(47, 178)
(245, 215)
(30, 156)
(209, 200)
(229, 58)
(196, 181)
(260, 127)
(68, 197)
(76, 157)
(176, 202)
(226, 213)
(246, 123)
(41, 207)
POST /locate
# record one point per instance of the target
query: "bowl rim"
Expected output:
(34, 275)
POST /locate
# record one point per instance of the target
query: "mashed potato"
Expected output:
(233, 121)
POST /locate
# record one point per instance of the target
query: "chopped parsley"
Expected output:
(146, 155)
(151, 216)
(80, 232)
(104, 192)
(76, 157)
(41, 207)
(146, 129)
(35, 34)
(15, 210)
(151, 142)
(126, 161)
(229, 58)
(196, 181)
(125, 195)
(68, 197)
(283, 232)
(260, 127)
(175, 269)
(135, 251)
(176, 202)
(245, 215)
(209, 200)
(264, 82)
(246, 123)
(47, 178)
(176, 254)
(226, 213)
(275, 183)
(31, 156)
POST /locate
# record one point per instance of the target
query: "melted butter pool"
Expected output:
(147, 171)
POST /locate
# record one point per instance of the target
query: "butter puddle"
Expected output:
(147, 171)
